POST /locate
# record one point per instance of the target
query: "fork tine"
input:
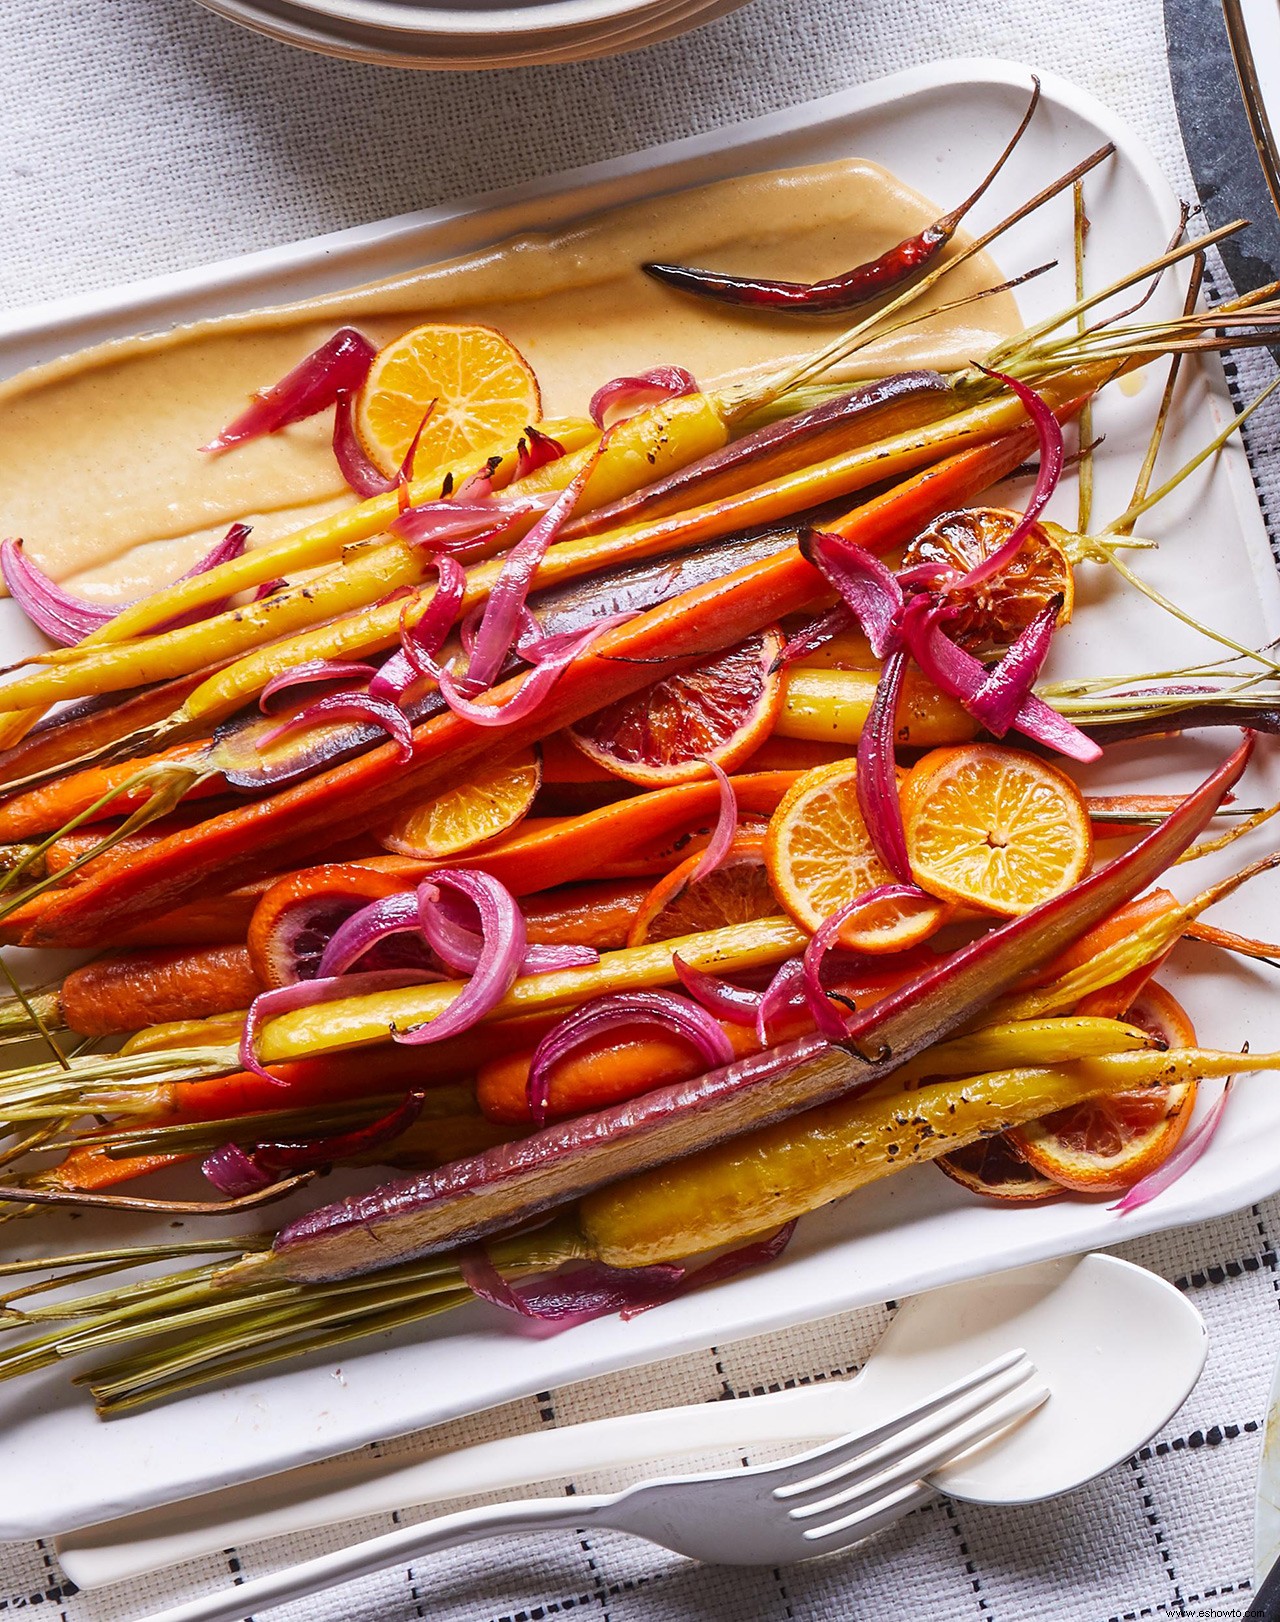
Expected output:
(873, 1517)
(882, 1447)
(846, 1446)
(907, 1474)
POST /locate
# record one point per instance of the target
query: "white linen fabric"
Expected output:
(148, 135)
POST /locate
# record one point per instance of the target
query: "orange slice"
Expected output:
(820, 857)
(994, 828)
(994, 613)
(993, 1167)
(721, 710)
(484, 391)
(1106, 1145)
(490, 802)
(737, 892)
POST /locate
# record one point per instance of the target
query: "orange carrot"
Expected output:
(131, 990)
(41, 810)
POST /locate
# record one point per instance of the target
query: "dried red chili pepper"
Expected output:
(838, 295)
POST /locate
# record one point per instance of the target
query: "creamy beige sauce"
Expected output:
(99, 471)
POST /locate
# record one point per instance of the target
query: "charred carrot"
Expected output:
(337, 804)
(52, 805)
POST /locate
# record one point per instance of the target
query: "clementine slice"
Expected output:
(488, 803)
(994, 828)
(993, 613)
(993, 1167)
(1106, 1145)
(483, 389)
(722, 710)
(736, 892)
(820, 857)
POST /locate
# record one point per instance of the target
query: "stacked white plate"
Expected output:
(471, 33)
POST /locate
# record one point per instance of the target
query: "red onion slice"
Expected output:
(785, 990)
(1008, 685)
(877, 778)
(535, 450)
(570, 1298)
(720, 997)
(867, 587)
(814, 634)
(311, 671)
(341, 363)
(503, 934)
(458, 946)
(1049, 434)
(285, 999)
(1189, 1149)
(535, 686)
(358, 934)
(66, 619)
(665, 1009)
(629, 394)
(497, 630)
(828, 1021)
(351, 707)
(960, 675)
(362, 474)
(725, 830)
(233, 1171)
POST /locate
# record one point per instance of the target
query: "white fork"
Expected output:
(771, 1515)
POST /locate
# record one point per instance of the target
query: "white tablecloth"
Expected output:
(145, 135)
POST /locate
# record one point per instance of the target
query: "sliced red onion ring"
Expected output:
(725, 829)
(66, 619)
(535, 450)
(814, 634)
(310, 671)
(535, 686)
(1008, 685)
(1189, 1149)
(340, 363)
(877, 779)
(348, 707)
(1049, 434)
(630, 393)
(503, 933)
(359, 933)
(421, 640)
(960, 675)
(829, 1022)
(233, 1171)
(480, 483)
(497, 630)
(665, 1009)
(456, 524)
(783, 991)
(757, 1253)
(569, 1298)
(285, 999)
(362, 474)
(720, 997)
(458, 946)
(867, 586)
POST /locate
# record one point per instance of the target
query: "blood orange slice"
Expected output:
(721, 710)
(993, 1167)
(992, 615)
(490, 802)
(736, 892)
(1106, 1145)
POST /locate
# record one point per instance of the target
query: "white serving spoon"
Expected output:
(1118, 1348)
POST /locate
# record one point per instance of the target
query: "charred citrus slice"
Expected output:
(992, 615)
(994, 828)
(484, 391)
(488, 803)
(820, 857)
(993, 1167)
(721, 710)
(292, 923)
(736, 892)
(1106, 1145)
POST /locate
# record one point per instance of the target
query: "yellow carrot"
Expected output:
(831, 706)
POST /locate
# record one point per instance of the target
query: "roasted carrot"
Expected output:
(127, 991)
(52, 805)
(89, 1167)
(337, 804)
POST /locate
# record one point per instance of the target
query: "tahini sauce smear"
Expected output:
(99, 471)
